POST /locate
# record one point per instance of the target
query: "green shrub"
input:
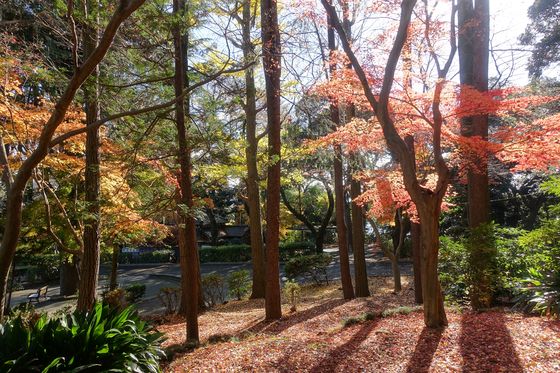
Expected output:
(115, 298)
(227, 253)
(101, 340)
(292, 292)
(239, 283)
(482, 273)
(213, 289)
(289, 250)
(314, 266)
(542, 293)
(157, 256)
(26, 313)
(453, 267)
(242, 253)
(169, 298)
(135, 292)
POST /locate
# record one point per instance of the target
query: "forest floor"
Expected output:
(319, 337)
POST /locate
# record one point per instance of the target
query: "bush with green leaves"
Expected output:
(169, 298)
(213, 289)
(313, 266)
(135, 292)
(105, 339)
(292, 291)
(452, 267)
(541, 293)
(226, 253)
(239, 283)
(242, 253)
(289, 250)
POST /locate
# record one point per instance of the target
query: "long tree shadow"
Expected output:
(276, 327)
(342, 352)
(486, 344)
(425, 349)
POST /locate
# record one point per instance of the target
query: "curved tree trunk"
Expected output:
(89, 272)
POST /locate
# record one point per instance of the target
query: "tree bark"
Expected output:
(253, 192)
(341, 229)
(89, 272)
(190, 270)
(360, 270)
(434, 313)
(474, 27)
(12, 226)
(272, 70)
(69, 277)
(415, 239)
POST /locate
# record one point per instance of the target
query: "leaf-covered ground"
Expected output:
(235, 339)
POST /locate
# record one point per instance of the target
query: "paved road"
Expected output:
(157, 276)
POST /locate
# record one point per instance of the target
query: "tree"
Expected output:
(473, 47)
(187, 228)
(252, 181)
(15, 194)
(90, 260)
(427, 200)
(543, 33)
(272, 70)
(341, 229)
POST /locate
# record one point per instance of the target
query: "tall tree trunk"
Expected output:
(253, 192)
(474, 22)
(189, 252)
(360, 270)
(415, 238)
(320, 239)
(341, 229)
(434, 313)
(69, 276)
(272, 70)
(89, 271)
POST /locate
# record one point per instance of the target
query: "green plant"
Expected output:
(26, 313)
(292, 291)
(116, 298)
(314, 266)
(226, 253)
(239, 283)
(104, 339)
(169, 298)
(289, 250)
(134, 292)
(541, 293)
(213, 288)
(452, 268)
(481, 275)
